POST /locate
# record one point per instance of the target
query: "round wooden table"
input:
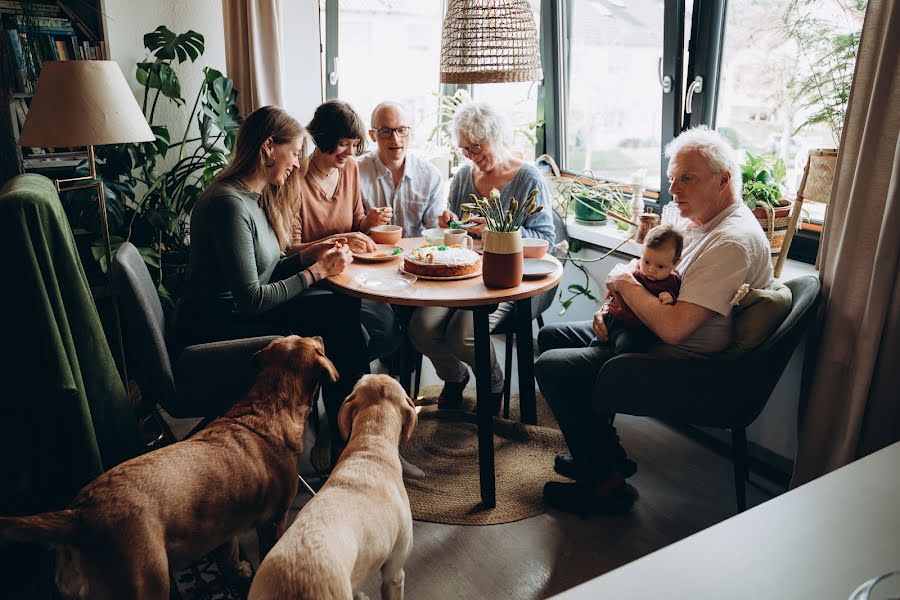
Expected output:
(470, 294)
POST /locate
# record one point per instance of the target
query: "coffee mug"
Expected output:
(458, 236)
(435, 235)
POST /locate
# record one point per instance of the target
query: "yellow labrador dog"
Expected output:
(360, 521)
(127, 528)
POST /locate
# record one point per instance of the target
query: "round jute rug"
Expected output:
(445, 447)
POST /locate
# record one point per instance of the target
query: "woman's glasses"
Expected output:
(470, 149)
(387, 133)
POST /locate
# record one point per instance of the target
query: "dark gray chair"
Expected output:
(727, 393)
(205, 380)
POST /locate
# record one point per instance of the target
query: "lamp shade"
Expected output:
(489, 41)
(83, 103)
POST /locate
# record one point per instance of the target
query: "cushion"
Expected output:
(758, 315)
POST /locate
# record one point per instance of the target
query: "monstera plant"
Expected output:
(151, 187)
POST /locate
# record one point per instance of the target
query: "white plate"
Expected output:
(384, 249)
(537, 267)
(385, 280)
(433, 278)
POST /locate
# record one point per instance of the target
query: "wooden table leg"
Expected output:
(525, 344)
(484, 409)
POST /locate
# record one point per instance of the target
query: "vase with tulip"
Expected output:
(502, 262)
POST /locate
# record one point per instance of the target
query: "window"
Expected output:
(402, 39)
(390, 51)
(614, 110)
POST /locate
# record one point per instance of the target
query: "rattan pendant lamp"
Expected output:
(489, 41)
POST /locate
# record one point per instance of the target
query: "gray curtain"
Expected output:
(254, 51)
(853, 407)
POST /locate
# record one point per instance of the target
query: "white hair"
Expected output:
(479, 121)
(722, 158)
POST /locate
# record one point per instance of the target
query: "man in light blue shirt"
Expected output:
(391, 177)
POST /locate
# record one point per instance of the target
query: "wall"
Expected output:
(302, 88)
(126, 22)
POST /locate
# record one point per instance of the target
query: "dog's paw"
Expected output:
(244, 570)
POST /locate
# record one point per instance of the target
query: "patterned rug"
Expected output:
(445, 447)
(203, 580)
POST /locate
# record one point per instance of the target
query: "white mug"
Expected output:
(458, 236)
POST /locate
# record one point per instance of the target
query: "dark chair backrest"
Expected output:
(768, 361)
(143, 325)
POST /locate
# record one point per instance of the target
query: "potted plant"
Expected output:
(151, 187)
(762, 190)
(503, 260)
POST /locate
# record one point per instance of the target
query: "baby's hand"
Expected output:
(666, 298)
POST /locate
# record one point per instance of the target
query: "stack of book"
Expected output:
(40, 37)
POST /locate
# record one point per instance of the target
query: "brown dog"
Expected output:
(360, 520)
(124, 530)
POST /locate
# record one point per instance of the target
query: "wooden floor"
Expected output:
(685, 486)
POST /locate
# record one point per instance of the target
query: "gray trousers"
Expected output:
(565, 371)
(381, 327)
(447, 337)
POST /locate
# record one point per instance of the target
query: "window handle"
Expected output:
(664, 80)
(696, 87)
(333, 76)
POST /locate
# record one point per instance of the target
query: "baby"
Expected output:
(656, 272)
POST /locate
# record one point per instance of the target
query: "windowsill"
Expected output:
(610, 236)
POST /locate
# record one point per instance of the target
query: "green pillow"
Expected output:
(758, 315)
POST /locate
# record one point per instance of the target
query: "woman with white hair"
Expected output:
(446, 335)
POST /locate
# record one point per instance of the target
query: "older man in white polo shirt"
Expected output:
(724, 248)
(390, 176)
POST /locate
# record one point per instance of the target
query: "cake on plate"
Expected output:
(441, 261)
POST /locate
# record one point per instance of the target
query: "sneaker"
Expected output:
(570, 498)
(452, 395)
(564, 465)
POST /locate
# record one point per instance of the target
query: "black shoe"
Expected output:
(452, 395)
(564, 465)
(570, 498)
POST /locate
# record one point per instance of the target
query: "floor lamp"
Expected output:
(815, 186)
(85, 103)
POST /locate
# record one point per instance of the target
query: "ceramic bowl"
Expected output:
(386, 234)
(435, 235)
(534, 247)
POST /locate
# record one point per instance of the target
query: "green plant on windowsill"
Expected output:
(591, 200)
(763, 181)
(149, 197)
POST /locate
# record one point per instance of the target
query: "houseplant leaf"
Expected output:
(167, 46)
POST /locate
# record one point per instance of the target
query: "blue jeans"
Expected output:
(565, 371)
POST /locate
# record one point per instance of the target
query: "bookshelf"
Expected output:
(33, 32)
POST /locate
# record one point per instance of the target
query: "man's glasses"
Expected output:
(387, 133)
(471, 148)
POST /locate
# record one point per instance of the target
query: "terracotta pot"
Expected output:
(775, 223)
(503, 261)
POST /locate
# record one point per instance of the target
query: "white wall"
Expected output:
(302, 87)
(126, 22)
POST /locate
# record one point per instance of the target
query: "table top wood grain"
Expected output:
(456, 293)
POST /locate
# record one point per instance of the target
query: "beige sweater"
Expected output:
(320, 217)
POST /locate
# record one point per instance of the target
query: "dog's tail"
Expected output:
(46, 528)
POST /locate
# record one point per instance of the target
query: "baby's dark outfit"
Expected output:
(627, 333)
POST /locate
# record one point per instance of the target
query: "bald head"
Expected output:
(388, 110)
(392, 119)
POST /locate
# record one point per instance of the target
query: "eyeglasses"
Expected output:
(387, 133)
(471, 148)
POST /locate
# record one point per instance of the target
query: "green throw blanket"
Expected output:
(64, 413)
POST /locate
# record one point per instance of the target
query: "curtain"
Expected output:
(254, 51)
(853, 407)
